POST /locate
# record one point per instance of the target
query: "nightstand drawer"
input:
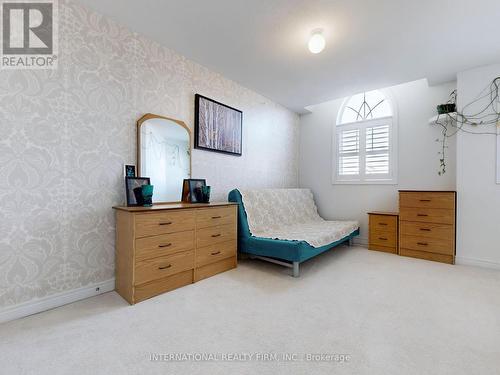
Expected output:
(214, 235)
(383, 223)
(153, 224)
(153, 269)
(381, 238)
(213, 217)
(164, 244)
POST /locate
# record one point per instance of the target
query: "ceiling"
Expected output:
(262, 44)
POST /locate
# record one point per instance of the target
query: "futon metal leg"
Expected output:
(296, 269)
(349, 242)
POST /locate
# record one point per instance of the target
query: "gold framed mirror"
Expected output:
(164, 155)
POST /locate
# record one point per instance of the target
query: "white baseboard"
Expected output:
(477, 262)
(362, 241)
(55, 300)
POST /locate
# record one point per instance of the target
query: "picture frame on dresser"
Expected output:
(130, 184)
(188, 189)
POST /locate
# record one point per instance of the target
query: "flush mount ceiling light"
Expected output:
(317, 41)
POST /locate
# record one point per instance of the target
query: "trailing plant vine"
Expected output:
(486, 116)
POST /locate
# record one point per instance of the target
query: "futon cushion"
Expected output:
(291, 214)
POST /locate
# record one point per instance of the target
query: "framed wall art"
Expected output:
(217, 126)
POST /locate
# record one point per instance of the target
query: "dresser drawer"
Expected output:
(385, 223)
(214, 235)
(215, 216)
(427, 199)
(166, 284)
(428, 230)
(213, 253)
(450, 259)
(427, 215)
(163, 244)
(152, 224)
(430, 245)
(156, 268)
(215, 268)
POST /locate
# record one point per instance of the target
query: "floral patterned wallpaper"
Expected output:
(66, 133)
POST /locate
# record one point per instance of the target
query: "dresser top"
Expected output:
(386, 213)
(427, 191)
(172, 206)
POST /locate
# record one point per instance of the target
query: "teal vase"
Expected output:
(147, 195)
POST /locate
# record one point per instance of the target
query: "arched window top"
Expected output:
(368, 105)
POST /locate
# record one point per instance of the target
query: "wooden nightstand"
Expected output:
(383, 231)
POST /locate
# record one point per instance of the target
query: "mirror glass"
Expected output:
(164, 155)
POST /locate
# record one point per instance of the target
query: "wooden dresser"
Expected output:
(167, 246)
(383, 231)
(427, 225)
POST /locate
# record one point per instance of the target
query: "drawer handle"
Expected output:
(383, 238)
(216, 235)
(165, 223)
(165, 267)
(422, 243)
(425, 200)
(216, 253)
(425, 229)
(165, 245)
(216, 217)
(382, 223)
(422, 215)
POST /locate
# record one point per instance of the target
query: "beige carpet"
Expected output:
(389, 314)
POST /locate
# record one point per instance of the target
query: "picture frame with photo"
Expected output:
(129, 170)
(130, 184)
(188, 189)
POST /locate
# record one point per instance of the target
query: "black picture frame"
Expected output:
(130, 184)
(198, 122)
(188, 187)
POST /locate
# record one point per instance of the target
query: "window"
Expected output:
(365, 141)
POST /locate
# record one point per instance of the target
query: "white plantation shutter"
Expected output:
(349, 152)
(377, 150)
(365, 152)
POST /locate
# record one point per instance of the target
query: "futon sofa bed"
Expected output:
(283, 226)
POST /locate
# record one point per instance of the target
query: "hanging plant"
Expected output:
(452, 121)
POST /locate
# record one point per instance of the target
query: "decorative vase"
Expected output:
(147, 195)
(205, 192)
(138, 196)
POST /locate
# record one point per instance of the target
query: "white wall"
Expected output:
(66, 133)
(418, 155)
(478, 194)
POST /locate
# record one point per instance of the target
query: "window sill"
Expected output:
(372, 182)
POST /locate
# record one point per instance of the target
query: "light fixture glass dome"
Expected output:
(317, 42)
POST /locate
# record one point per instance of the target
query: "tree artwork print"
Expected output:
(217, 127)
